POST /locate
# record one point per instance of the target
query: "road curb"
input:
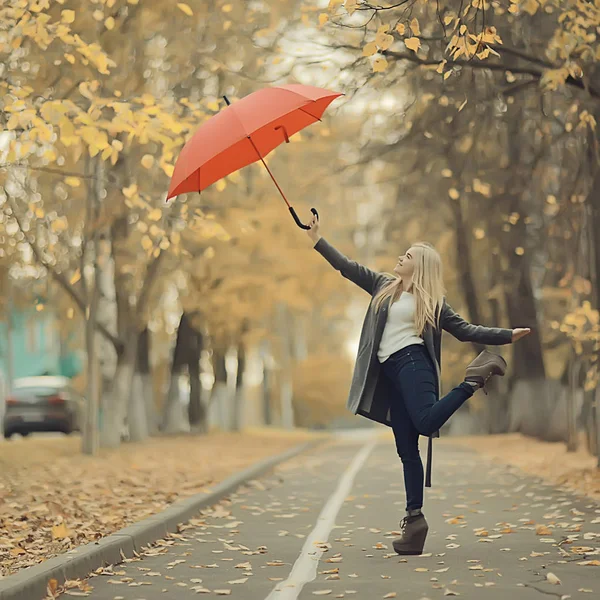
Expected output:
(31, 583)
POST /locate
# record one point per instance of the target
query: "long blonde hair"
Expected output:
(428, 287)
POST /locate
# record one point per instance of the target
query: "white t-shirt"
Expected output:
(400, 330)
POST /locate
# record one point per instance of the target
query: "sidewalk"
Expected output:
(576, 471)
(54, 499)
(495, 533)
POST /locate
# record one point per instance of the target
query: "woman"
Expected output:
(396, 377)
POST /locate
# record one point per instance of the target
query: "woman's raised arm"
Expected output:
(360, 275)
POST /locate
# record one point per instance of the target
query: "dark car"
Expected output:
(42, 404)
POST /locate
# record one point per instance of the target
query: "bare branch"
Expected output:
(59, 277)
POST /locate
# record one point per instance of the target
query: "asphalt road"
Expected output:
(322, 525)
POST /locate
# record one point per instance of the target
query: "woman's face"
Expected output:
(406, 266)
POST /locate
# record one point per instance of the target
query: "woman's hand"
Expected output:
(313, 232)
(517, 334)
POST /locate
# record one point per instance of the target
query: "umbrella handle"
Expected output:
(298, 221)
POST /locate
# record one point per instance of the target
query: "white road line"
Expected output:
(305, 567)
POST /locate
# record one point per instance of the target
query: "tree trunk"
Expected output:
(197, 414)
(219, 397)
(174, 418)
(145, 370)
(141, 414)
(594, 207)
(266, 384)
(236, 417)
(465, 266)
(117, 398)
(572, 391)
(90, 439)
(286, 390)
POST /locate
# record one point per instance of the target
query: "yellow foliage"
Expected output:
(413, 44)
(185, 8)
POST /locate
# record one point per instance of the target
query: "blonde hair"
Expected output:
(428, 287)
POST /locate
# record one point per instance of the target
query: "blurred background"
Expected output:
(126, 317)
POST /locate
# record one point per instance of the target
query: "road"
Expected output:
(322, 525)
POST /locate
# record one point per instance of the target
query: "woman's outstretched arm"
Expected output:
(454, 324)
(360, 275)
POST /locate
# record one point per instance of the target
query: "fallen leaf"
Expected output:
(59, 532)
(223, 592)
(542, 530)
(553, 579)
(321, 592)
(390, 595)
(449, 592)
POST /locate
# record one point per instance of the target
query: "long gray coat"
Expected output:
(371, 395)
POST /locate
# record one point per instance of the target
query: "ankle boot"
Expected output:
(483, 367)
(414, 531)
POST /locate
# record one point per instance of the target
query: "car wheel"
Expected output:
(7, 435)
(25, 433)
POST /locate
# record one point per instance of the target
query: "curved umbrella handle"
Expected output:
(298, 221)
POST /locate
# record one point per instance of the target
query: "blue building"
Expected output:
(32, 346)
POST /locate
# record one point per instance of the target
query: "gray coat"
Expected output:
(370, 395)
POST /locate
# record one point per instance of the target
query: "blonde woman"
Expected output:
(396, 377)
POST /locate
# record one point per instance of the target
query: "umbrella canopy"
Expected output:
(246, 132)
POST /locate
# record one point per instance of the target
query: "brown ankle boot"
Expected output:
(483, 367)
(414, 531)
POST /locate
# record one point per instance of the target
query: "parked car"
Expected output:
(43, 404)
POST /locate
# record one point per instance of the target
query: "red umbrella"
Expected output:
(246, 132)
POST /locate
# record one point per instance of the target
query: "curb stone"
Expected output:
(31, 583)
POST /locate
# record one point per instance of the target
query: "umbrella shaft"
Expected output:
(269, 171)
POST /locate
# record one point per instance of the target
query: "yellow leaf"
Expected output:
(351, 6)
(73, 181)
(147, 161)
(453, 193)
(155, 214)
(185, 8)
(67, 16)
(39, 213)
(413, 43)
(227, 8)
(400, 28)
(380, 64)
(60, 532)
(221, 185)
(70, 58)
(333, 4)
(323, 18)
(369, 49)
(530, 6)
(109, 23)
(543, 530)
(75, 277)
(13, 122)
(59, 224)
(129, 192)
(168, 169)
(147, 243)
(383, 40)
(414, 27)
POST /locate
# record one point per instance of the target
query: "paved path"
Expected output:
(483, 543)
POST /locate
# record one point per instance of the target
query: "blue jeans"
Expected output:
(417, 411)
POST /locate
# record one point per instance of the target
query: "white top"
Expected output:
(400, 330)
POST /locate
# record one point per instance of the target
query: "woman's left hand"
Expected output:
(517, 334)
